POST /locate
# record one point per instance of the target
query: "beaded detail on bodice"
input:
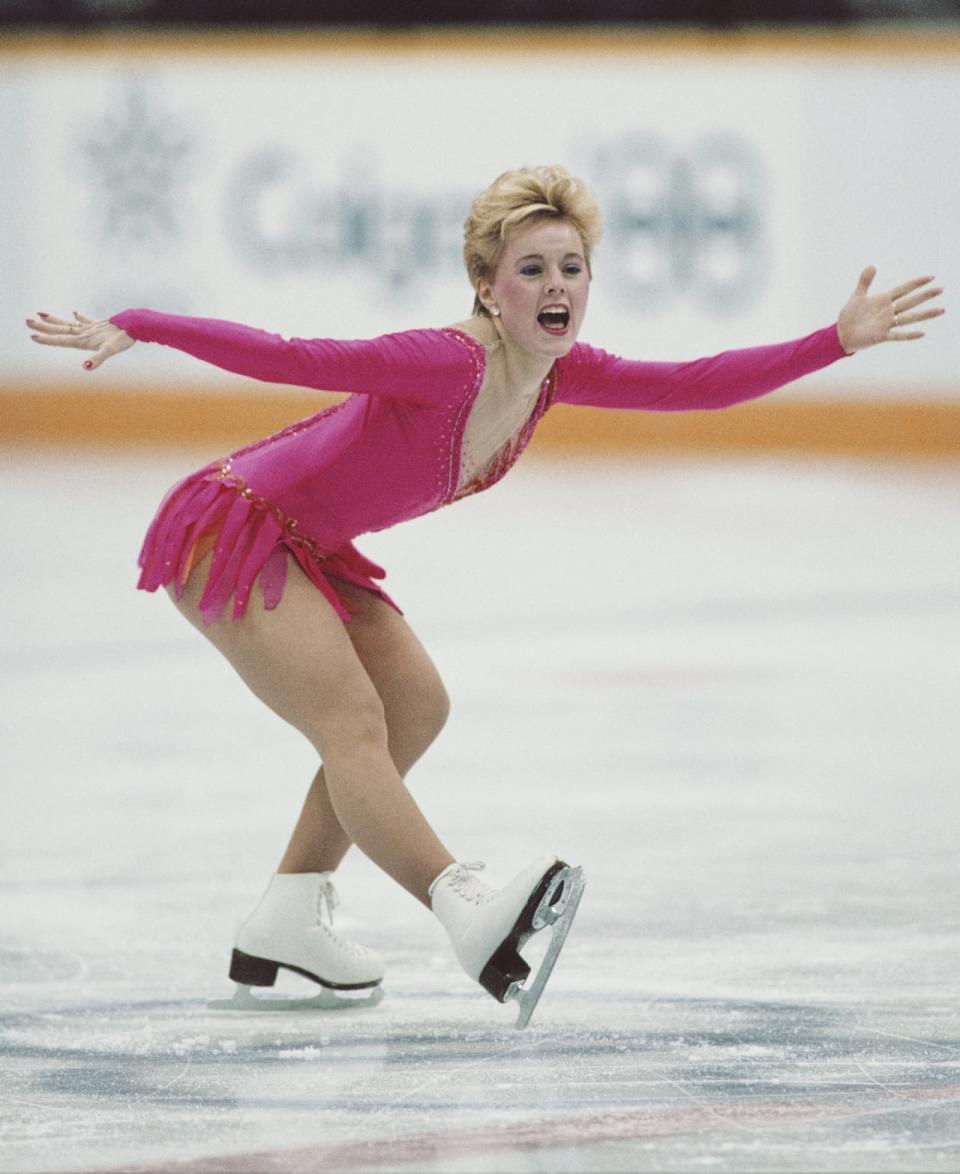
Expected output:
(497, 429)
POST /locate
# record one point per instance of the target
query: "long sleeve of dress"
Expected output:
(596, 378)
(417, 366)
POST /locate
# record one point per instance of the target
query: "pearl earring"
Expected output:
(495, 311)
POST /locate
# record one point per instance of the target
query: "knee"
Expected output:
(354, 725)
(417, 726)
(436, 710)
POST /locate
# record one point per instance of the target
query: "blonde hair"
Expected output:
(518, 196)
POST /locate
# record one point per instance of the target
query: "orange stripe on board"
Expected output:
(836, 427)
(221, 421)
(136, 417)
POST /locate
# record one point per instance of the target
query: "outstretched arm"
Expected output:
(418, 366)
(596, 378)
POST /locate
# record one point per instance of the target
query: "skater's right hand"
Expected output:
(85, 334)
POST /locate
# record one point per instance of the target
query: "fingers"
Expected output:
(912, 319)
(51, 324)
(903, 304)
(53, 331)
(55, 339)
(48, 325)
(910, 286)
(918, 300)
(866, 279)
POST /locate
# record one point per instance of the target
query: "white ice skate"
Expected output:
(292, 928)
(489, 927)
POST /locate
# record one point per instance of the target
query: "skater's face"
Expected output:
(541, 287)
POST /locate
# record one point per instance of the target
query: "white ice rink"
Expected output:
(729, 691)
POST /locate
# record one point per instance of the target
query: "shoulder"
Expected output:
(425, 349)
(432, 365)
(592, 376)
(481, 330)
(583, 361)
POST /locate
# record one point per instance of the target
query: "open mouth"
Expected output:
(554, 319)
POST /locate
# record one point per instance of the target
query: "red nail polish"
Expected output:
(87, 365)
(40, 314)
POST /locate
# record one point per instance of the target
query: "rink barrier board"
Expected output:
(221, 421)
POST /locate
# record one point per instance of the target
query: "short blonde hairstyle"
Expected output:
(518, 196)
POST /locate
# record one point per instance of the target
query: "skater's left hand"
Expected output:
(864, 321)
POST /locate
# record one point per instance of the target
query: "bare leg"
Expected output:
(416, 707)
(318, 842)
(299, 660)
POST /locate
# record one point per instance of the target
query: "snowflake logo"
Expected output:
(137, 157)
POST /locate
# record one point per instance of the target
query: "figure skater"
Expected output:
(432, 416)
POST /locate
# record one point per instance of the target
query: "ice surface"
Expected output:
(728, 691)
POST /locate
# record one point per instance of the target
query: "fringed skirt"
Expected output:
(213, 510)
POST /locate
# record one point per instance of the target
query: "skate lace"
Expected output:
(327, 901)
(466, 885)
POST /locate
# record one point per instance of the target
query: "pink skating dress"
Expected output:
(395, 448)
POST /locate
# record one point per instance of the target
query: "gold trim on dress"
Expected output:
(288, 525)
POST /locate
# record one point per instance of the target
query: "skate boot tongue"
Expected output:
(327, 899)
(459, 876)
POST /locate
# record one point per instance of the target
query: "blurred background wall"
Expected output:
(271, 163)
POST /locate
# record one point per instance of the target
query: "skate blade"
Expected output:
(324, 1000)
(560, 916)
